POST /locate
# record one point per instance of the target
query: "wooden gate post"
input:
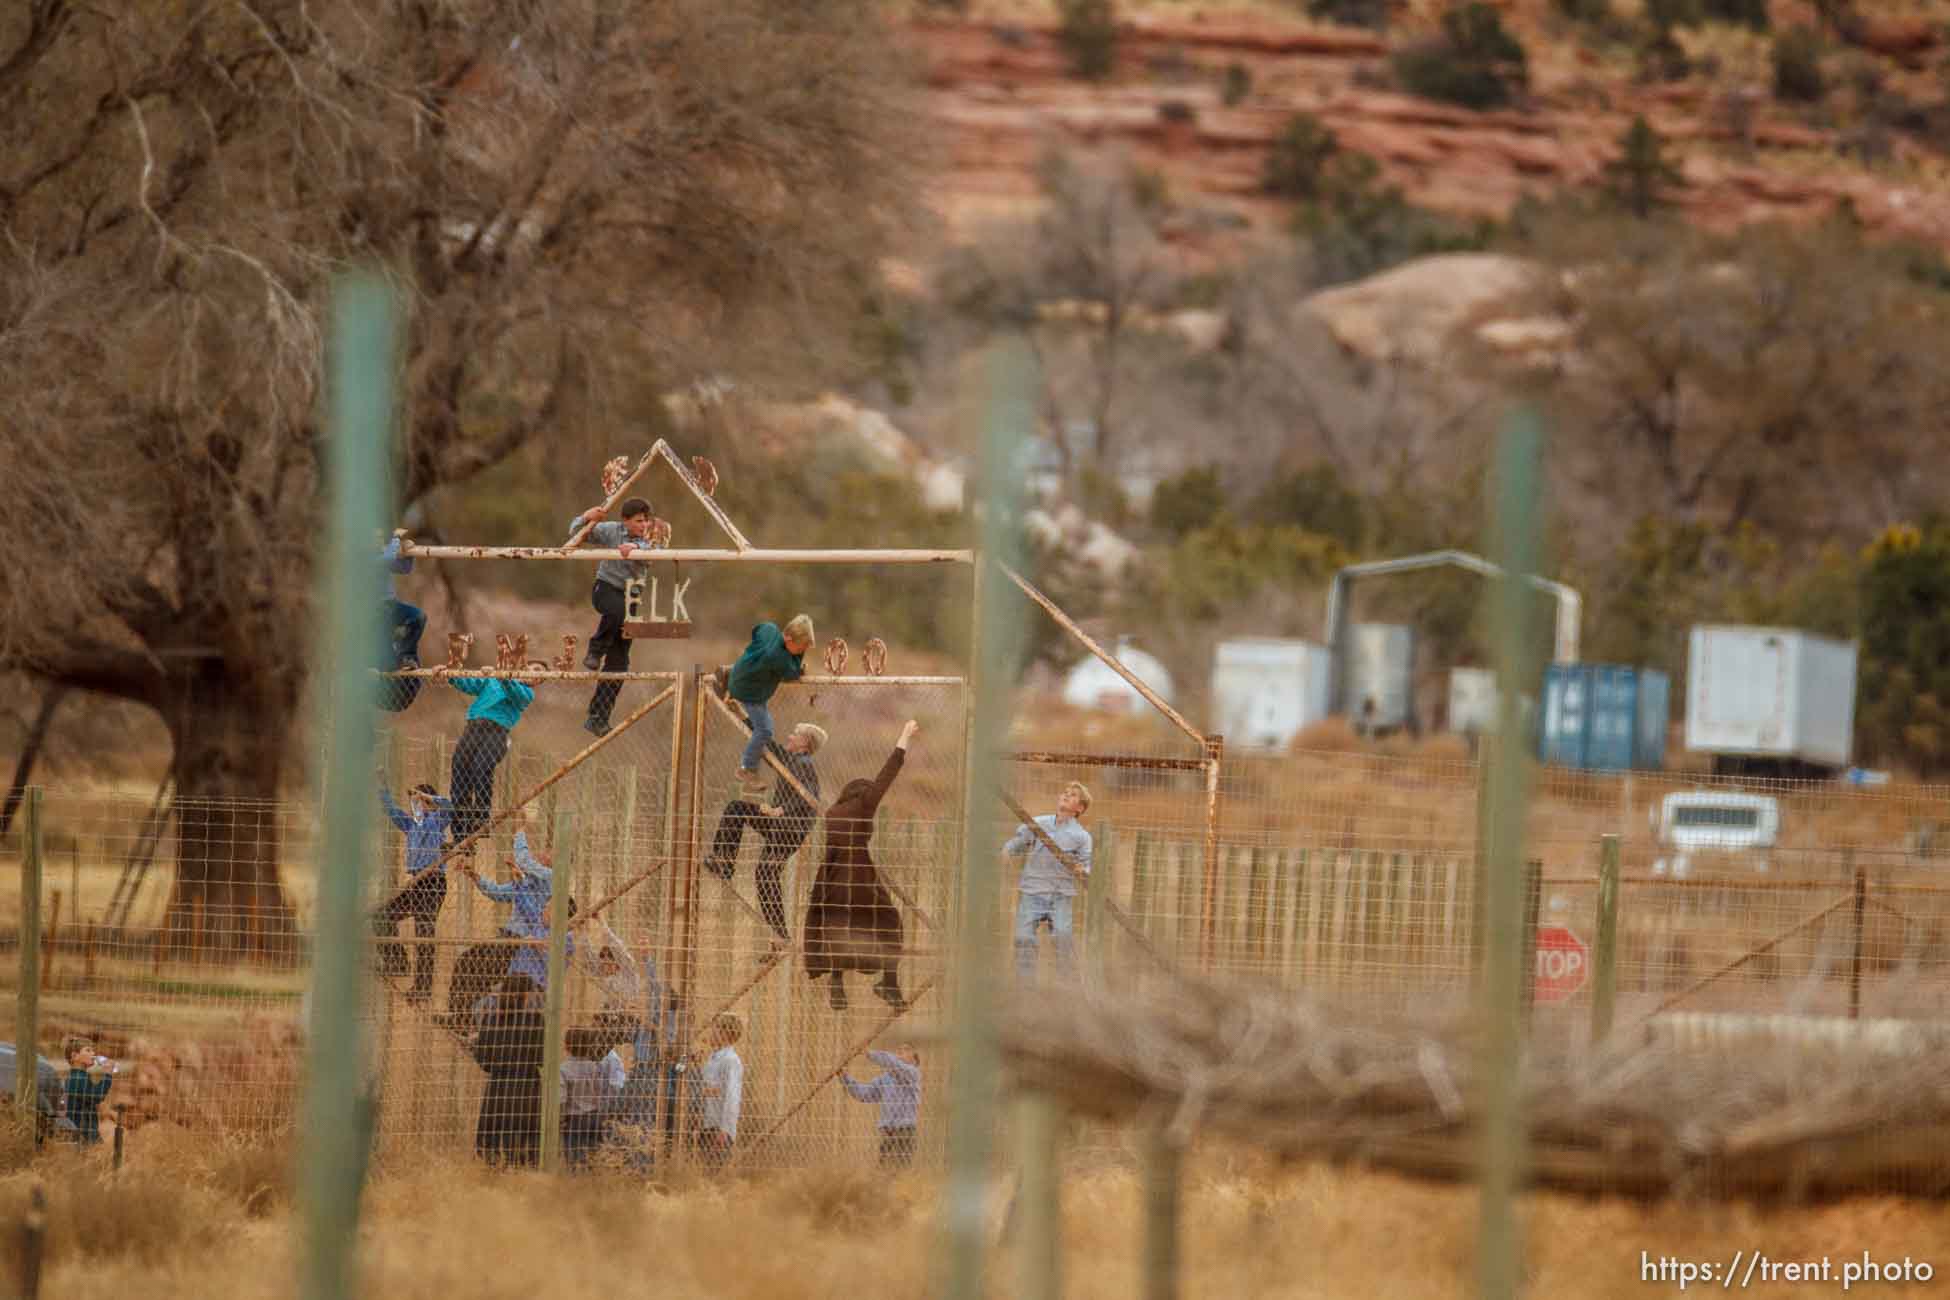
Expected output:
(1855, 947)
(1604, 959)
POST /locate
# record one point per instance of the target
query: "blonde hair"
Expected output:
(799, 628)
(813, 732)
(728, 1024)
(1080, 790)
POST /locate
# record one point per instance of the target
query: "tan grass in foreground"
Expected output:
(186, 1220)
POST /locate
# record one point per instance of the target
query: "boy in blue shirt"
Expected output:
(898, 1090)
(1046, 890)
(404, 622)
(425, 828)
(609, 649)
(89, 1079)
(482, 967)
(498, 706)
(774, 656)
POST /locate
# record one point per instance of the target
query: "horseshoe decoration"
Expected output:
(874, 656)
(659, 533)
(706, 475)
(614, 473)
(836, 656)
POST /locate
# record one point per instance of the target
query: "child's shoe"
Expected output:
(751, 781)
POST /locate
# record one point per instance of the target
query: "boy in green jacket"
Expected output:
(774, 656)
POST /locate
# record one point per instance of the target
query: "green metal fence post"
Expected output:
(1604, 955)
(553, 1001)
(1515, 547)
(338, 1118)
(1160, 1160)
(1097, 888)
(1039, 1131)
(994, 642)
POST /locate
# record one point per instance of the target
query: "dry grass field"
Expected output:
(190, 1218)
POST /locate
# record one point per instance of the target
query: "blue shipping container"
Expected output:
(1604, 717)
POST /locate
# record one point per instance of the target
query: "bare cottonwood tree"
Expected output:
(1082, 275)
(578, 202)
(1787, 378)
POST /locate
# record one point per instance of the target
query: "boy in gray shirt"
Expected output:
(1046, 890)
(609, 649)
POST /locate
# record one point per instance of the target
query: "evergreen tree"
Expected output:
(1641, 178)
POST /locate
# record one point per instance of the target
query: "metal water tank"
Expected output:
(1604, 717)
(1094, 684)
(1472, 701)
(1380, 691)
(1266, 690)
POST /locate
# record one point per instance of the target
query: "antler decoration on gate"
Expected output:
(458, 644)
(504, 652)
(873, 657)
(836, 656)
(614, 473)
(706, 475)
(566, 661)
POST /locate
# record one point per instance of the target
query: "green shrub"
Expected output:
(1087, 31)
(1741, 13)
(1360, 225)
(1583, 11)
(1237, 84)
(1188, 501)
(1316, 501)
(1298, 160)
(1664, 15)
(1641, 178)
(1476, 63)
(1372, 14)
(1797, 66)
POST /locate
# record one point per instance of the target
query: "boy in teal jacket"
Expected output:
(774, 656)
(89, 1079)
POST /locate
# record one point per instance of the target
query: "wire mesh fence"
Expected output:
(176, 933)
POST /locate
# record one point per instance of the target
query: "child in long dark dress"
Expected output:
(510, 1048)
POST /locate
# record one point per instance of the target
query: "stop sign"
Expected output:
(1563, 963)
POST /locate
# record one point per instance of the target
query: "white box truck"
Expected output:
(1769, 701)
(1267, 690)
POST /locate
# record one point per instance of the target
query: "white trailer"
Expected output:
(1267, 690)
(1770, 700)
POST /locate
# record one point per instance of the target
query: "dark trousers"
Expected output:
(479, 751)
(782, 837)
(404, 624)
(581, 1134)
(421, 900)
(612, 645)
(477, 972)
(897, 1147)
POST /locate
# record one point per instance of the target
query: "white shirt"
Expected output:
(587, 1085)
(724, 1091)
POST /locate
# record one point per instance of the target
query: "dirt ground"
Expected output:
(192, 1218)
